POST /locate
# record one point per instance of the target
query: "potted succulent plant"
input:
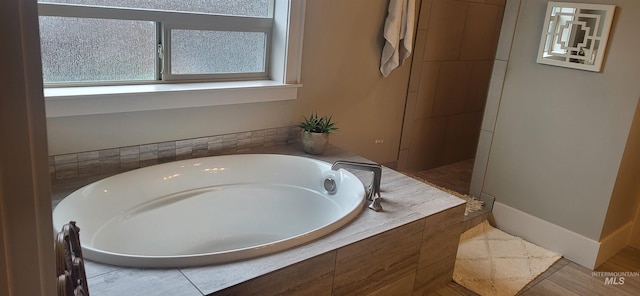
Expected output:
(315, 133)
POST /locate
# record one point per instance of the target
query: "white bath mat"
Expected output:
(492, 262)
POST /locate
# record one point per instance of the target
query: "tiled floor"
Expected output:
(456, 176)
(562, 278)
(568, 278)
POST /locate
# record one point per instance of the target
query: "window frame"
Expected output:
(280, 83)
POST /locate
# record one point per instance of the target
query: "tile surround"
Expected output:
(115, 160)
(400, 239)
(494, 95)
(454, 54)
(412, 259)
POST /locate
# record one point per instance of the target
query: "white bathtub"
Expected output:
(209, 210)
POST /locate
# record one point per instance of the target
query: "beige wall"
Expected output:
(626, 192)
(454, 52)
(341, 56)
(561, 133)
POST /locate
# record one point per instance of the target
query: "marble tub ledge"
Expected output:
(405, 200)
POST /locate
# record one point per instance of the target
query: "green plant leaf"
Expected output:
(316, 124)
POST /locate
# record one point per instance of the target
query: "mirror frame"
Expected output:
(578, 44)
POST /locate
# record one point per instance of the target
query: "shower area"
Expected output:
(453, 57)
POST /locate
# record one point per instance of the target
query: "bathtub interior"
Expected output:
(209, 206)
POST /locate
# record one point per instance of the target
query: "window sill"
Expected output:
(74, 101)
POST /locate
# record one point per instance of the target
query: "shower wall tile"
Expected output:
(494, 2)
(494, 94)
(461, 137)
(478, 86)
(429, 78)
(427, 143)
(446, 25)
(452, 88)
(416, 62)
(452, 81)
(407, 124)
(511, 9)
(480, 163)
(114, 160)
(425, 14)
(481, 32)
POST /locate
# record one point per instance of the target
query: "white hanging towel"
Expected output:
(398, 33)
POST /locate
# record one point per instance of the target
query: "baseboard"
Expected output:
(571, 245)
(614, 243)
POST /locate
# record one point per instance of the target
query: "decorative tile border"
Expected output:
(110, 161)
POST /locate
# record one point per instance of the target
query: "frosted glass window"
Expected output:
(78, 49)
(127, 41)
(258, 8)
(217, 52)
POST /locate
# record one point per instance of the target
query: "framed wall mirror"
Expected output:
(575, 35)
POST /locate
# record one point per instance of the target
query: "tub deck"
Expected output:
(412, 243)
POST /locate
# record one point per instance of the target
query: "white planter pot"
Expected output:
(314, 143)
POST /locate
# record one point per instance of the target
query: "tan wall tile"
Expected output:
(429, 78)
(409, 117)
(91, 163)
(446, 25)
(375, 262)
(67, 158)
(441, 236)
(425, 13)
(107, 153)
(495, 2)
(427, 143)
(403, 286)
(463, 132)
(86, 156)
(435, 275)
(416, 62)
(481, 32)
(309, 277)
(453, 88)
(478, 86)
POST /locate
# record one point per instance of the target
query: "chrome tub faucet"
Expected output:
(373, 191)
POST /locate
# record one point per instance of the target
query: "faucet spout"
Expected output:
(373, 191)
